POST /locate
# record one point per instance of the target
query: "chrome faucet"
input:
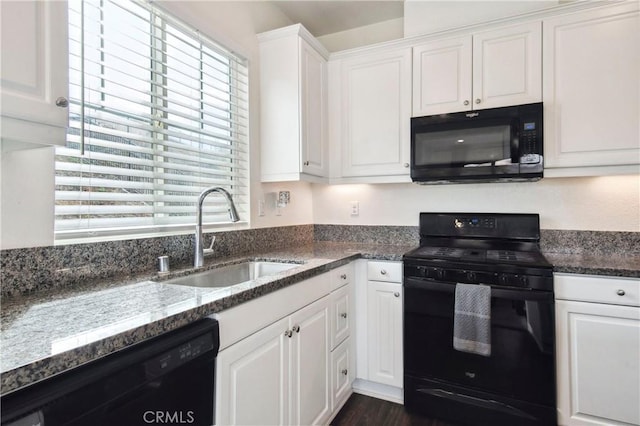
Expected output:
(233, 213)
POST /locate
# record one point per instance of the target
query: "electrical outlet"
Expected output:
(355, 208)
(260, 207)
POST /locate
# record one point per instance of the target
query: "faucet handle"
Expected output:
(210, 249)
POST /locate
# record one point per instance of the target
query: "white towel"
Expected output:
(472, 319)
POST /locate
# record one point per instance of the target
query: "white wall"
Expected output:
(362, 36)
(610, 203)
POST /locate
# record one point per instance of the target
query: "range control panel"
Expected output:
(475, 222)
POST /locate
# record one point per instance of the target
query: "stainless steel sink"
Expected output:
(227, 276)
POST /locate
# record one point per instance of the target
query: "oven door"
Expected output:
(521, 366)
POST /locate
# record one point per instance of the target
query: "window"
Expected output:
(157, 113)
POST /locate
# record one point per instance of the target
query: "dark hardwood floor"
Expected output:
(362, 410)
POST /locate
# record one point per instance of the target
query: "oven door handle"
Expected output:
(496, 292)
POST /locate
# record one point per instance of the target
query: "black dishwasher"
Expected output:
(169, 379)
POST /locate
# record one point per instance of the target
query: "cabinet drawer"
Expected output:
(340, 316)
(599, 289)
(341, 276)
(341, 375)
(384, 271)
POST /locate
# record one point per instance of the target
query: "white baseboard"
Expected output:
(380, 391)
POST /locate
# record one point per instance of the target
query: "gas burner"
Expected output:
(510, 256)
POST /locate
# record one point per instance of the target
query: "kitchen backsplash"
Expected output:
(41, 268)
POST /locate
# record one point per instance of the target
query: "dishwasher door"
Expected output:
(167, 380)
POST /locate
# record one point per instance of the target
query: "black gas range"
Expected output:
(498, 255)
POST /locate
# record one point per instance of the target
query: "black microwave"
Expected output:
(489, 145)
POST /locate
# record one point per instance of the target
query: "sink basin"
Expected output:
(226, 276)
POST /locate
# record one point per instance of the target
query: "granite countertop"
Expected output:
(46, 333)
(596, 264)
(49, 332)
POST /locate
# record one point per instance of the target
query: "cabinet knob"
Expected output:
(306, 163)
(62, 102)
(343, 315)
(406, 165)
(466, 102)
(288, 333)
(396, 294)
(478, 101)
(343, 276)
(383, 272)
(296, 328)
(344, 372)
(620, 292)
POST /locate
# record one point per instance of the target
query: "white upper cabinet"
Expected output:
(489, 69)
(371, 103)
(592, 88)
(293, 106)
(34, 73)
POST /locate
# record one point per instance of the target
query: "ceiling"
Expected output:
(329, 16)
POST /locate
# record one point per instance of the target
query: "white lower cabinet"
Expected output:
(279, 375)
(252, 379)
(379, 330)
(598, 350)
(285, 357)
(342, 321)
(384, 303)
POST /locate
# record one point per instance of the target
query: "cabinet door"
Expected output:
(252, 379)
(310, 403)
(376, 108)
(442, 76)
(384, 314)
(313, 104)
(507, 66)
(34, 71)
(591, 87)
(598, 351)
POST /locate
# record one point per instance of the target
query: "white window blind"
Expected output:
(164, 114)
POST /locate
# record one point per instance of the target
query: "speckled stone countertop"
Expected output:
(615, 265)
(45, 333)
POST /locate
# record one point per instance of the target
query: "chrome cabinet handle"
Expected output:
(343, 276)
(296, 328)
(62, 102)
(383, 272)
(288, 333)
(344, 372)
(396, 294)
(620, 292)
(343, 315)
(466, 102)
(478, 101)
(306, 163)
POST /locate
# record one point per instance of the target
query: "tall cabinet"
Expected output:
(34, 73)
(592, 88)
(370, 98)
(293, 106)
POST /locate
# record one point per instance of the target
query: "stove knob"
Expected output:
(439, 273)
(502, 279)
(472, 277)
(524, 281)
